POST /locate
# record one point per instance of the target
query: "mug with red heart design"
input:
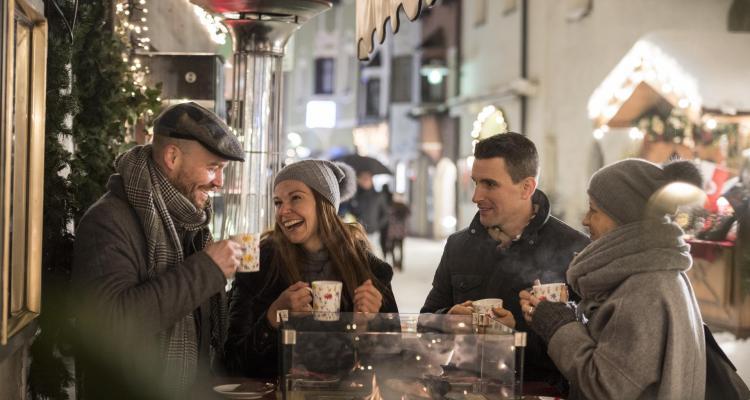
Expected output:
(326, 300)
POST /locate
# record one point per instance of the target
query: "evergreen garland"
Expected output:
(109, 100)
(103, 101)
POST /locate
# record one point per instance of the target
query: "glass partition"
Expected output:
(399, 356)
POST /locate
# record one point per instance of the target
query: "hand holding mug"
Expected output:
(504, 316)
(367, 298)
(226, 254)
(464, 308)
(528, 303)
(295, 298)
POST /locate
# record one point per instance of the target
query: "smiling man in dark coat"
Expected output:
(512, 241)
(150, 279)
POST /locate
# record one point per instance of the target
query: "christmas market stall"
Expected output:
(679, 94)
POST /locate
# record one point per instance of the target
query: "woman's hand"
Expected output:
(528, 303)
(295, 298)
(505, 317)
(367, 298)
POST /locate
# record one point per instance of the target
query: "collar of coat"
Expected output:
(538, 199)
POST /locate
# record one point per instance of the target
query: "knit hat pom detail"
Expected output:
(347, 185)
(683, 171)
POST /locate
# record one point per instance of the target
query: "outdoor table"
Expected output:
(532, 391)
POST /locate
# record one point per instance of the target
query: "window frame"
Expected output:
(29, 280)
(325, 73)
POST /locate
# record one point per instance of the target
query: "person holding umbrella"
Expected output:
(368, 206)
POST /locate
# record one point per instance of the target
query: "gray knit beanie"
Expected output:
(335, 181)
(623, 189)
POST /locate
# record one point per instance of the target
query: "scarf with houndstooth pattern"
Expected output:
(166, 215)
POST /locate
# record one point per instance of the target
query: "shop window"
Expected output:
(324, 79)
(401, 79)
(24, 40)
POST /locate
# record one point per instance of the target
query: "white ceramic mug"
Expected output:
(251, 255)
(326, 300)
(554, 292)
(485, 306)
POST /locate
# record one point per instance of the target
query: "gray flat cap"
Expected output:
(193, 122)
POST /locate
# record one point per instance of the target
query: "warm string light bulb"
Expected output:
(213, 24)
(131, 27)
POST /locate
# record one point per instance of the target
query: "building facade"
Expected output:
(542, 61)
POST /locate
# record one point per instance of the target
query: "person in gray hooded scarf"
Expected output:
(308, 242)
(638, 332)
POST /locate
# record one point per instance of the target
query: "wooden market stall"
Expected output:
(684, 94)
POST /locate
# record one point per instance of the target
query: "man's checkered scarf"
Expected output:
(165, 214)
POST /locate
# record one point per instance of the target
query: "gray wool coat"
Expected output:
(120, 309)
(644, 334)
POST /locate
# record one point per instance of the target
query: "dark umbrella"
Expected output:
(364, 164)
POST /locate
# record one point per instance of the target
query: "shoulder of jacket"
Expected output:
(463, 234)
(383, 271)
(560, 227)
(661, 281)
(110, 210)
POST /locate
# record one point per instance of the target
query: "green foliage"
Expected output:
(674, 127)
(108, 98)
(103, 100)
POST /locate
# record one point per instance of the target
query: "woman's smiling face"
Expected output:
(296, 215)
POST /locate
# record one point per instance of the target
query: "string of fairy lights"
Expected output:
(131, 26)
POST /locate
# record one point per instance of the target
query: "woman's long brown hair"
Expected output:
(346, 244)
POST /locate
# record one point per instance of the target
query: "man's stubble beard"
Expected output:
(186, 189)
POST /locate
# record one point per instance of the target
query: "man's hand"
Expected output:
(295, 298)
(504, 316)
(227, 254)
(464, 308)
(367, 298)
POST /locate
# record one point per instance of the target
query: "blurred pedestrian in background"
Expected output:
(369, 207)
(385, 244)
(396, 231)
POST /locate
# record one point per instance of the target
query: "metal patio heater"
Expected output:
(260, 30)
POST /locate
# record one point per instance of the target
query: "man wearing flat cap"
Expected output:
(150, 280)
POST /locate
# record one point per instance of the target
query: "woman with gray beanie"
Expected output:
(309, 242)
(637, 332)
